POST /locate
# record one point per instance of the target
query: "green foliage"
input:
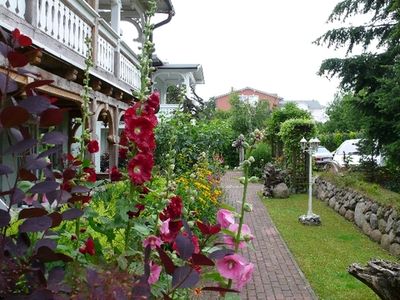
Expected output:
(325, 252)
(342, 117)
(291, 132)
(175, 94)
(246, 117)
(333, 140)
(189, 138)
(262, 155)
(278, 117)
(372, 77)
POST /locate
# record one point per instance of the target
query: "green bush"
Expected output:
(333, 140)
(190, 137)
(262, 155)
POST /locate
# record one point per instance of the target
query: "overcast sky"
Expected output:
(264, 44)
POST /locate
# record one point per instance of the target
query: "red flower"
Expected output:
(139, 208)
(173, 210)
(123, 153)
(93, 146)
(88, 248)
(138, 128)
(154, 101)
(139, 168)
(115, 174)
(208, 229)
(91, 174)
(20, 40)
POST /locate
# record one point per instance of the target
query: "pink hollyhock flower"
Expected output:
(225, 218)
(155, 271)
(30, 199)
(93, 146)
(231, 266)
(153, 241)
(115, 174)
(245, 276)
(245, 235)
(139, 168)
(169, 230)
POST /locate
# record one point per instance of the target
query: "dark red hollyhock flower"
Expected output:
(138, 128)
(88, 248)
(93, 146)
(154, 101)
(139, 168)
(173, 209)
(115, 174)
(134, 214)
(20, 40)
(66, 186)
(142, 109)
(91, 174)
(208, 229)
(123, 153)
(148, 144)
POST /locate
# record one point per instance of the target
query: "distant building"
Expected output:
(249, 95)
(316, 110)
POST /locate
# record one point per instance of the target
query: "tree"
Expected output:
(289, 111)
(246, 117)
(342, 116)
(371, 77)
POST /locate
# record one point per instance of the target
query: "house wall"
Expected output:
(222, 103)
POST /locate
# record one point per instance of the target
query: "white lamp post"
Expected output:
(310, 147)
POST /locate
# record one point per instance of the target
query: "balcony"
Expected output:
(60, 28)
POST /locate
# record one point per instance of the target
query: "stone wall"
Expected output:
(380, 223)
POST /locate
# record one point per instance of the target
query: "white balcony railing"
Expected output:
(70, 22)
(167, 109)
(18, 7)
(58, 20)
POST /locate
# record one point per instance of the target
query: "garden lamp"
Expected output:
(310, 147)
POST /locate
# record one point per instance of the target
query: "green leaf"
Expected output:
(122, 262)
(213, 276)
(143, 230)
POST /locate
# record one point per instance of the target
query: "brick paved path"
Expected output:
(276, 274)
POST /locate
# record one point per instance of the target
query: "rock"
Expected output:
(394, 249)
(332, 202)
(349, 215)
(280, 191)
(374, 208)
(382, 225)
(380, 212)
(385, 241)
(366, 228)
(373, 221)
(396, 227)
(376, 235)
(358, 214)
(337, 206)
(342, 210)
(389, 223)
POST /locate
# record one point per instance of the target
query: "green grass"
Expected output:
(371, 190)
(324, 252)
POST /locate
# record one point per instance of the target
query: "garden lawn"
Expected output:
(324, 252)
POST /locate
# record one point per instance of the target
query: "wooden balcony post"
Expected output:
(31, 12)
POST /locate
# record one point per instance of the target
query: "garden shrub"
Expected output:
(333, 140)
(190, 137)
(292, 131)
(262, 155)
